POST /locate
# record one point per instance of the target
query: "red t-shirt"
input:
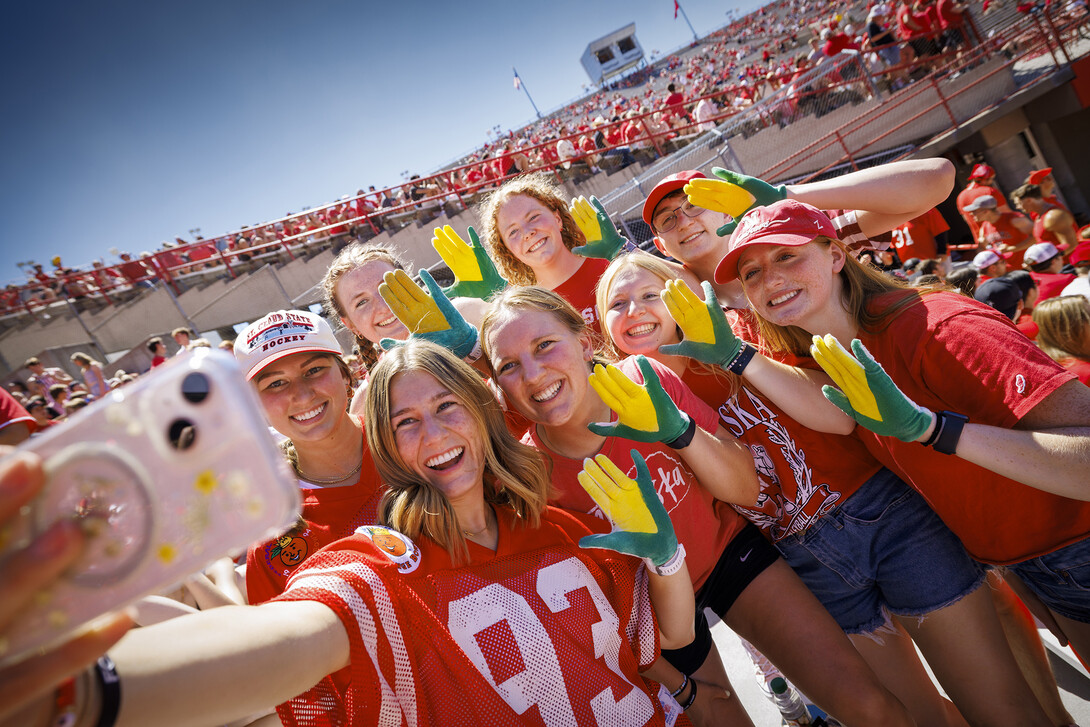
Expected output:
(970, 193)
(329, 514)
(1003, 232)
(540, 631)
(947, 17)
(803, 473)
(11, 412)
(704, 525)
(1026, 325)
(1078, 367)
(579, 289)
(158, 360)
(1050, 285)
(916, 238)
(948, 352)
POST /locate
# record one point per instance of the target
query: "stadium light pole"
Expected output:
(519, 84)
(677, 6)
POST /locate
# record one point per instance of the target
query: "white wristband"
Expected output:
(671, 566)
(475, 354)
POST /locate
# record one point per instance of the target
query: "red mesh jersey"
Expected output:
(540, 632)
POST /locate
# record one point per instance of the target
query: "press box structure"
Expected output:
(612, 54)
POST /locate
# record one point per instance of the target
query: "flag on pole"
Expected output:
(676, 7)
(518, 81)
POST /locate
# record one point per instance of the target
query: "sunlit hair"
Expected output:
(515, 474)
(531, 298)
(538, 186)
(355, 256)
(861, 283)
(81, 358)
(640, 260)
(1063, 323)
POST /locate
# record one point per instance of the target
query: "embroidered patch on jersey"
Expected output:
(396, 546)
(1020, 383)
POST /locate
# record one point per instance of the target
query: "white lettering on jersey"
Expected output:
(553, 585)
(538, 684)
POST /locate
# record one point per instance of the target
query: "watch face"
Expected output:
(107, 492)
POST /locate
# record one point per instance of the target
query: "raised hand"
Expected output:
(603, 240)
(708, 337)
(866, 392)
(644, 413)
(641, 526)
(732, 193)
(431, 317)
(475, 275)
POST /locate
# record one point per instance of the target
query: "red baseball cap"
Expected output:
(786, 222)
(667, 185)
(1081, 254)
(1037, 176)
(981, 171)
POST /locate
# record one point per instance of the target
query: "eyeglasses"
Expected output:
(665, 223)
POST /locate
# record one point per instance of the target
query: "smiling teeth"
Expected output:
(445, 457)
(389, 321)
(641, 330)
(781, 298)
(308, 415)
(691, 237)
(546, 394)
(535, 246)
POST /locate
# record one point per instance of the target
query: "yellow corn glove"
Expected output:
(603, 240)
(431, 317)
(644, 413)
(866, 392)
(474, 272)
(641, 526)
(732, 193)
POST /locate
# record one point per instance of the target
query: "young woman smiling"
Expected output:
(541, 353)
(858, 536)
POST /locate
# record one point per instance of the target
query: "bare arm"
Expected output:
(14, 433)
(214, 666)
(1060, 223)
(886, 196)
(1049, 449)
(675, 603)
(723, 466)
(798, 393)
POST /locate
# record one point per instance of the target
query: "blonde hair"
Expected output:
(532, 298)
(860, 283)
(355, 256)
(515, 474)
(81, 357)
(640, 260)
(540, 187)
(1063, 323)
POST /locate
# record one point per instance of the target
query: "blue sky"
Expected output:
(125, 124)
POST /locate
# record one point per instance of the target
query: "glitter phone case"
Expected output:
(165, 475)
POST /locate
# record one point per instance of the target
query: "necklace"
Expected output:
(482, 531)
(328, 481)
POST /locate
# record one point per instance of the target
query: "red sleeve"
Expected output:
(11, 411)
(936, 222)
(975, 362)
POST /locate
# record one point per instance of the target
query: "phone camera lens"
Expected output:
(195, 387)
(182, 434)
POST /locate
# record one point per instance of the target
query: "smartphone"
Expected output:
(164, 475)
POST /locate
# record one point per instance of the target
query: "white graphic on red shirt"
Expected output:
(1020, 383)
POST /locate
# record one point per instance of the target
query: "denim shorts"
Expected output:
(883, 548)
(1061, 579)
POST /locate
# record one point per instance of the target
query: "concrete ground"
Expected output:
(1073, 680)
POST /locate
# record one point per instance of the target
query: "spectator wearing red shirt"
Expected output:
(923, 237)
(1043, 178)
(1008, 232)
(951, 15)
(1051, 223)
(981, 182)
(1045, 263)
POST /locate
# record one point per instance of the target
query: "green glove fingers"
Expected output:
(431, 317)
(644, 413)
(708, 337)
(474, 272)
(641, 526)
(603, 240)
(733, 194)
(866, 393)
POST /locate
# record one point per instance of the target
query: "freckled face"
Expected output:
(366, 313)
(789, 285)
(636, 317)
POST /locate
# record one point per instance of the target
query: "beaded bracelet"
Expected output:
(679, 690)
(692, 697)
(741, 359)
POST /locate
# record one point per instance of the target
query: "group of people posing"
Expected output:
(553, 467)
